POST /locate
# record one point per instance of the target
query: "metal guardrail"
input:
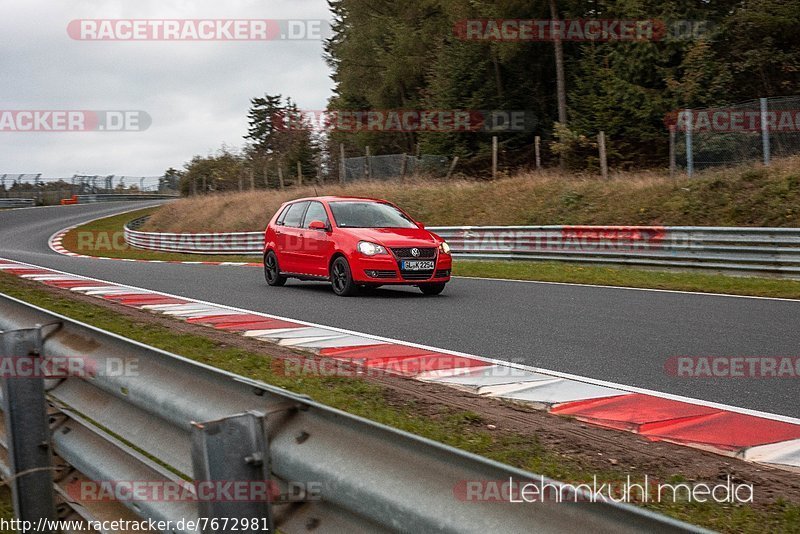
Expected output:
(742, 250)
(244, 243)
(17, 202)
(89, 199)
(176, 421)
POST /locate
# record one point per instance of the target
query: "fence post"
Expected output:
(299, 174)
(27, 430)
(452, 167)
(234, 449)
(494, 157)
(765, 132)
(241, 181)
(319, 173)
(688, 120)
(39, 193)
(537, 148)
(280, 177)
(672, 151)
(601, 143)
(252, 180)
(367, 166)
(342, 166)
(404, 165)
(266, 177)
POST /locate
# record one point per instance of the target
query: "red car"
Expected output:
(353, 243)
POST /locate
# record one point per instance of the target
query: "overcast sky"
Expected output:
(197, 93)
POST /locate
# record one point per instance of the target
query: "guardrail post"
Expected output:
(765, 131)
(689, 146)
(234, 449)
(25, 409)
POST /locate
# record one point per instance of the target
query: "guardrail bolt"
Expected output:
(256, 459)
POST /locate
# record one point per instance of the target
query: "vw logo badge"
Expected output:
(415, 252)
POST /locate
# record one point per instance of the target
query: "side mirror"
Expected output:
(318, 225)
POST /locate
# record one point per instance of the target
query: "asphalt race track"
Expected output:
(612, 334)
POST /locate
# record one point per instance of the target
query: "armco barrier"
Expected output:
(17, 202)
(744, 250)
(90, 199)
(166, 422)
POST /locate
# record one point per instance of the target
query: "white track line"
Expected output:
(701, 293)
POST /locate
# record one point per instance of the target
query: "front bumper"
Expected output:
(385, 270)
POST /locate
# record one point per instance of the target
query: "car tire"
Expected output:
(432, 289)
(272, 271)
(342, 278)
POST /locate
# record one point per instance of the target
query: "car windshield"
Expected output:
(369, 215)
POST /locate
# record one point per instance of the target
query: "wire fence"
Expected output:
(393, 166)
(51, 190)
(757, 130)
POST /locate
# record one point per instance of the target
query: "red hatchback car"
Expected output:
(353, 243)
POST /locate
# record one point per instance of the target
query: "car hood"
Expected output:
(396, 237)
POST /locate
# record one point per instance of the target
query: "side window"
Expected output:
(282, 216)
(294, 215)
(316, 212)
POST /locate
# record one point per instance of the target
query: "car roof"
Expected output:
(338, 198)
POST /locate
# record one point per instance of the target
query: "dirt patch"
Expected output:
(595, 449)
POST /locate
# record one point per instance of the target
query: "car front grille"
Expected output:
(405, 253)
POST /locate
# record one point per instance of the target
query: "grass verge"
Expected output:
(458, 428)
(625, 277)
(6, 508)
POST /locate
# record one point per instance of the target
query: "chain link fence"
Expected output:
(757, 130)
(393, 166)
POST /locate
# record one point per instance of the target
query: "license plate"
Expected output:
(417, 266)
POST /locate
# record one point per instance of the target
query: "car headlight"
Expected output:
(444, 248)
(370, 249)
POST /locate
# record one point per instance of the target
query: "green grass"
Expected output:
(610, 276)
(6, 508)
(463, 429)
